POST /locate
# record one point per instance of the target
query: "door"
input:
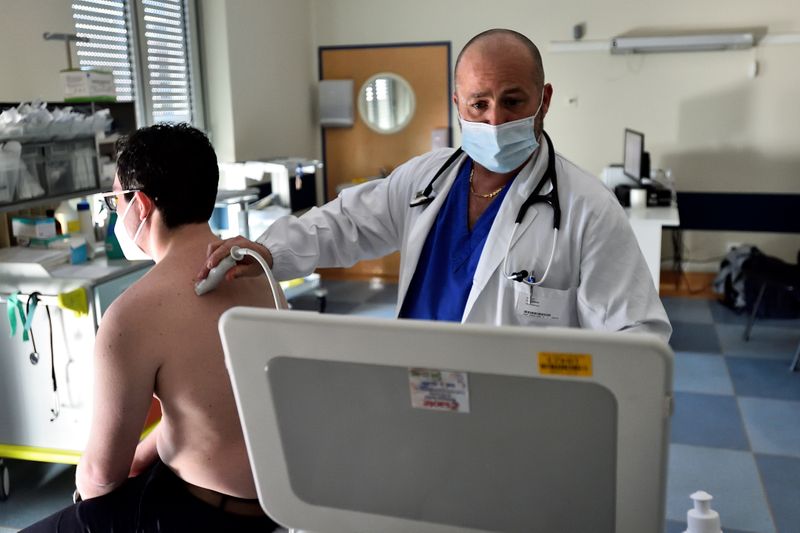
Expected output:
(356, 153)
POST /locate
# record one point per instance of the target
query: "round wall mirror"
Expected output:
(386, 102)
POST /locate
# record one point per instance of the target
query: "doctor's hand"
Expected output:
(246, 267)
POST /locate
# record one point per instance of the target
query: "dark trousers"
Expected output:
(155, 501)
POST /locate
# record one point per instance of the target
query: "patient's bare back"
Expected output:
(200, 436)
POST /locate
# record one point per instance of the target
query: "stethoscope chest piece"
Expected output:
(420, 199)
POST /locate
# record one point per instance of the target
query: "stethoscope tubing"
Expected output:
(423, 198)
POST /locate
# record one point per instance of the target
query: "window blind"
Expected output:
(144, 40)
(105, 24)
(167, 60)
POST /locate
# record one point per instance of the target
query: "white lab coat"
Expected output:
(598, 278)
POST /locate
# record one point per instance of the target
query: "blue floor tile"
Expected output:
(387, 295)
(673, 526)
(374, 310)
(728, 475)
(708, 420)
(688, 337)
(348, 291)
(772, 425)
(704, 373)
(695, 311)
(726, 315)
(780, 476)
(340, 307)
(306, 302)
(764, 378)
(765, 341)
(37, 490)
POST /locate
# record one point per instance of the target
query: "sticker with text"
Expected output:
(439, 390)
(565, 364)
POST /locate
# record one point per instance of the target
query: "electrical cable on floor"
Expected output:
(677, 255)
(678, 260)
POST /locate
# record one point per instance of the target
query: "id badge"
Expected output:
(539, 305)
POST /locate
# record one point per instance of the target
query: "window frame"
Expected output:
(143, 96)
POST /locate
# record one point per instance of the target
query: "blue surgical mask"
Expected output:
(500, 148)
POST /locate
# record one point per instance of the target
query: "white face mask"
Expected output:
(129, 247)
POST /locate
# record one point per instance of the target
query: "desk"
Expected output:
(647, 224)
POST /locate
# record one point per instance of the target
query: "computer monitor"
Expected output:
(359, 424)
(634, 155)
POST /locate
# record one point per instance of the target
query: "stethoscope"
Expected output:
(30, 309)
(424, 197)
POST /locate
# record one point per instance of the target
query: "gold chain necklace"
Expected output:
(479, 195)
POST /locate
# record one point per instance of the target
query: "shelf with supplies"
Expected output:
(48, 171)
(46, 164)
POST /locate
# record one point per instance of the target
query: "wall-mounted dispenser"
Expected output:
(336, 103)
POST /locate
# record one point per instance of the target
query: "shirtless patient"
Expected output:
(159, 338)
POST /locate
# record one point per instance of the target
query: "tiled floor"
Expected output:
(736, 425)
(735, 428)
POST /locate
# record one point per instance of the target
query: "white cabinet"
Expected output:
(29, 427)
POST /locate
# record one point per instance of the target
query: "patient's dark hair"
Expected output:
(175, 165)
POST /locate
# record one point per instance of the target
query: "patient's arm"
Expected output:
(125, 367)
(146, 453)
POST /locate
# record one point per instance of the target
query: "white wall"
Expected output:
(217, 79)
(702, 116)
(260, 90)
(252, 111)
(29, 65)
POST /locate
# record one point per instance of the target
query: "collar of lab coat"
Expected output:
(497, 241)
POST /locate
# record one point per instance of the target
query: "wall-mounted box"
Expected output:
(336, 103)
(88, 86)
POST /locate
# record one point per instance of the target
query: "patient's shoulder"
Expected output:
(140, 303)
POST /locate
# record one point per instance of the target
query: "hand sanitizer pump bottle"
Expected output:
(702, 519)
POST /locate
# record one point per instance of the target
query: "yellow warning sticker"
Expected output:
(565, 364)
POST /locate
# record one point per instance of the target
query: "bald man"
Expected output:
(501, 231)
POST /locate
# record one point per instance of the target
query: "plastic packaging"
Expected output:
(67, 217)
(10, 168)
(76, 244)
(702, 519)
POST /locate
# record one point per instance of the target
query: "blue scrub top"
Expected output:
(443, 278)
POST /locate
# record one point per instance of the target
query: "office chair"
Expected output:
(783, 280)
